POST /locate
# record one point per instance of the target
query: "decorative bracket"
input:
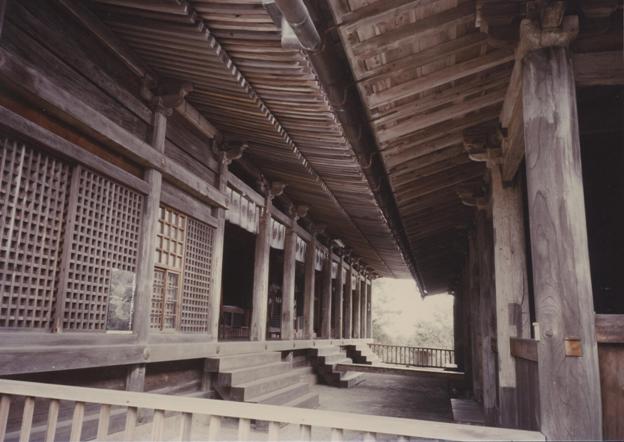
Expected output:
(164, 96)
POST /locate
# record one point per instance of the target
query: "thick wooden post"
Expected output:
(326, 311)
(512, 296)
(338, 300)
(488, 315)
(369, 314)
(363, 307)
(288, 282)
(475, 317)
(261, 267)
(309, 288)
(226, 154)
(348, 298)
(149, 226)
(458, 336)
(357, 298)
(567, 352)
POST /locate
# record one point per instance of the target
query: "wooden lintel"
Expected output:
(598, 68)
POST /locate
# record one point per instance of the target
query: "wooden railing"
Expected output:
(180, 418)
(414, 356)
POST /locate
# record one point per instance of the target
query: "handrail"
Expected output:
(244, 412)
(414, 356)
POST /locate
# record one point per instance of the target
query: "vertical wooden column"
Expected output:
(149, 226)
(326, 311)
(363, 306)
(338, 300)
(357, 297)
(567, 351)
(487, 315)
(369, 308)
(458, 336)
(348, 298)
(261, 267)
(226, 153)
(288, 282)
(512, 296)
(3, 6)
(309, 288)
(475, 317)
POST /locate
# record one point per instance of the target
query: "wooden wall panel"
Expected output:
(611, 360)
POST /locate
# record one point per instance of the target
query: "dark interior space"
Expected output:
(274, 308)
(601, 121)
(238, 268)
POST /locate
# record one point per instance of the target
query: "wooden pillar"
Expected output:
(326, 312)
(512, 295)
(309, 288)
(458, 336)
(475, 317)
(487, 315)
(369, 307)
(261, 267)
(567, 352)
(3, 7)
(149, 226)
(357, 297)
(348, 298)
(288, 283)
(135, 378)
(338, 300)
(363, 307)
(226, 153)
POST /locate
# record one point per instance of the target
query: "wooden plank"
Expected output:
(184, 431)
(185, 203)
(610, 329)
(305, 433)
(77, 419)
(338, 300)
(391, 369)
(103, 422)
(5, 405)
(326, 302)
(244, 429)
(348, 304)
(261, 274)
(569, 386)
(158, 425)
(53, 413)
(23, 76)
(443, 76)
(27, 418)
(611, 358)
(131, 423)
(523, 348)
(288, 282)
(273, 433)
(214, 428)
(598, 68)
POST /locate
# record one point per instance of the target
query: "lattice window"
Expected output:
(197, 277)
(182, 274)
(170, 263)
(105, 237)
(33, 197)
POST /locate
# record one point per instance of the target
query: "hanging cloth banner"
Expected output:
(242, 211)
(301, 250)
(321, 256)
(334, 269)
(278, 234)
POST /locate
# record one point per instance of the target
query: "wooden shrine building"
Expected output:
(196, 195)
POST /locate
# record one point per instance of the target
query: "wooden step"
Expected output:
(248, 374)
(232, 362)
(351, 379)
(326, 350)
(334, 359)
(246, 391)
(283, 395)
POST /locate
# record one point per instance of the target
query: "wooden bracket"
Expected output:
(165, 95)
(276, 189)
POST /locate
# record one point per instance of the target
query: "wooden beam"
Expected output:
(569, 380)
(21, 75)
(443, 76)
(610, 329)
(423, 373)
(598, 68)
(523, 348)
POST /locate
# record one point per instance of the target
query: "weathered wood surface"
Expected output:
(218, 409)
(347, 321)
(528, 394)
(523, 348)
(288, 282)
(338, 309)
(610, 329)
(561, 273)
(309, 289)
(511, 287)
(326, 301)
(260, 294)
(598, 68)
(611, 360)
(421, 372)
(356, 303)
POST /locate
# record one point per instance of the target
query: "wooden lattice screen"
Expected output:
(182, 274)
(197, 277)
(106, 226)
(33, 197)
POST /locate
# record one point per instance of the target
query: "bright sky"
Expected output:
(402, 296)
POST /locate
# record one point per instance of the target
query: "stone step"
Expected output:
(243, 392)
(250, 373)
(283, 395)
(351, 379)
(232, 362)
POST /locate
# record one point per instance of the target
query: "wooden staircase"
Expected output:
(263, 378)
(326, 358)
(362, 354)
